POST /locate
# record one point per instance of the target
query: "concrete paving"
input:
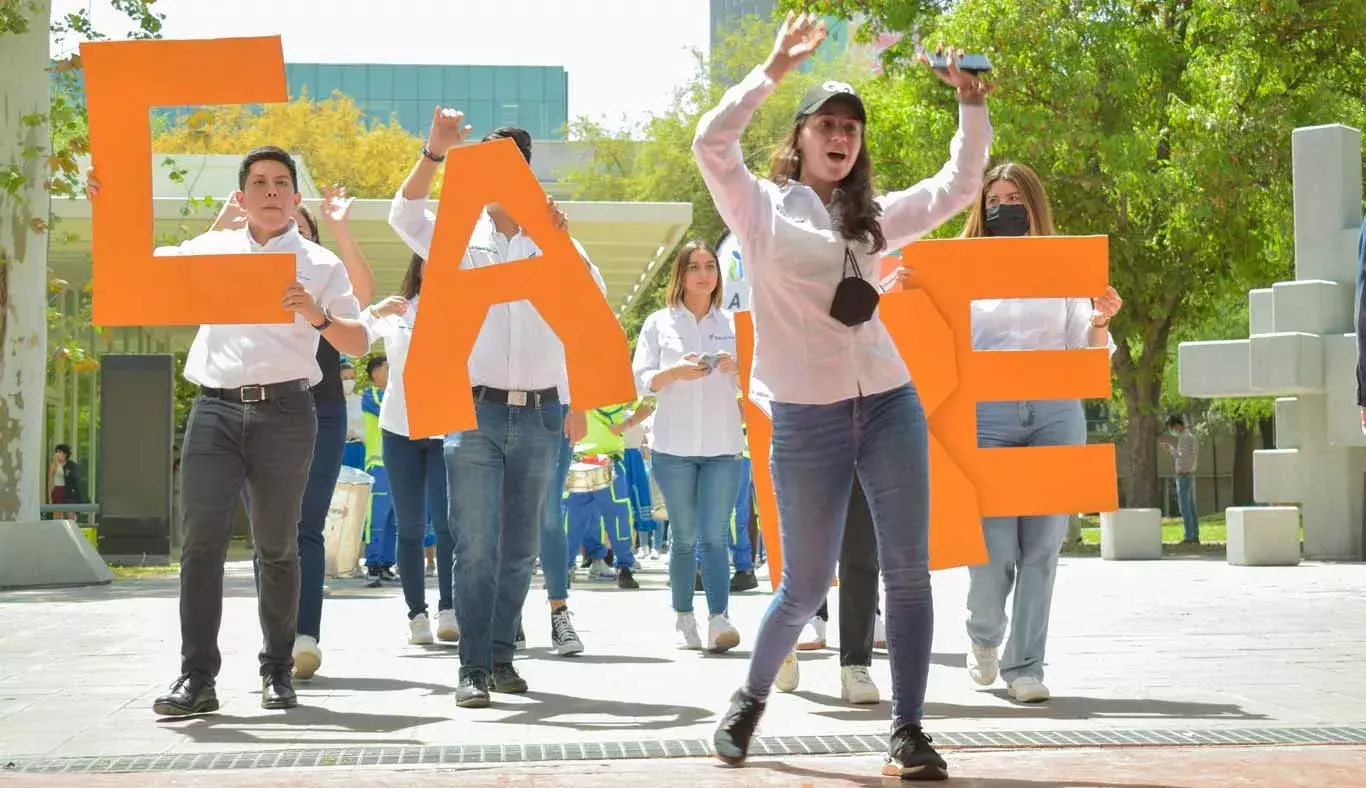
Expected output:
(1178, 644)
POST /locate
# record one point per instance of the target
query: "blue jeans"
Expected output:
(381, 532)
(500, 475)
(816, 449)
(417, 485)
(1022, 551)
(699, 493)
(554, 555)
(322, 480)
(588, 514)
(638, 479)
(1185, 498)
(742, 550)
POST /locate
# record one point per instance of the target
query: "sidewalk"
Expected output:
(1170, 652)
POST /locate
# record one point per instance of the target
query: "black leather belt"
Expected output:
(517, 399)
(250, 394)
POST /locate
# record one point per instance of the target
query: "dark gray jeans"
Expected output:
(264, 449)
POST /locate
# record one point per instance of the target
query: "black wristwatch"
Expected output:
(428, 153)
(327, 321)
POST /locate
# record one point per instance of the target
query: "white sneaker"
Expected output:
(1027, 689)
(689, 638)
(880, 633)
(420, 630)
(789, 675)
(857, 687)
(984, 663)
(654, 553)
(446, 627)
(722, 636)
(601, 571)
(813, 635)
(307, 657)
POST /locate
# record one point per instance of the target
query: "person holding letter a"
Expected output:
(825, 367)
(501, 472)
(252, 429)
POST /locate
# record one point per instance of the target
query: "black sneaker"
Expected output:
(387, 575)
(189, 695)
(519, 642)
(743, 580)
(473, 691)
(697, 584)
(626, 579)
(910, 756)
(563, 639)
(507, 679)
(732, 737)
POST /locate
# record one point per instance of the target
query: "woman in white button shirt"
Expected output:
(685, 358)
(416, 469)
(1023, 551)
(826, 369)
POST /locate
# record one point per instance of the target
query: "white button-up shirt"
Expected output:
(693, 418)
(516, 350)
(1033, 324)
(231, 356)
(397, 333)
(795, 260)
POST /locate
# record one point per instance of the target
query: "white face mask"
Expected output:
(348, 386)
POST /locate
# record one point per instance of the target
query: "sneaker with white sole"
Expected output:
(1027, 689)
(984, 664)
(564, 639)
(420, 630)
(689, 637)
(813, 635)
(722, 636)
(446, 627)
(601, 571)
(789, 675)
(857, 687)
(307, 656)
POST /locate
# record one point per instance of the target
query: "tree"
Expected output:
(1164, 124)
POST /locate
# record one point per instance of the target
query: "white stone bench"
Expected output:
(1263, 535)
(49, 553)
(1131, 535)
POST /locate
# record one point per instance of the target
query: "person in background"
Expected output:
(1023, 551)
(638, 480)
(685, 358)
(353, 456)
(587, 514)
(825, 368)
(741, 546)
(64, 480)
(1361, 326)
(381, 549)
(1185, 451)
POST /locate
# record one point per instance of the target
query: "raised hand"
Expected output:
(336, 206)
(1106, 306)
(557, 217)
(92, 184)
(393, 305)
(798, 38)
(448, 130)
(232, 216)
(971, 89)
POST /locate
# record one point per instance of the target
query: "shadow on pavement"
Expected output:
(367, 684)
(820, 776)
(550, 710)
(302, 725)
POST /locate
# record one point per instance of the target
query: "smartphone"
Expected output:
(973, 64)
(708, 360)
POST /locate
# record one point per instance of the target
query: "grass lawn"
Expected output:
(1212, 529)
(239, 550)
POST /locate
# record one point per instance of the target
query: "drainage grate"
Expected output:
(844, 744)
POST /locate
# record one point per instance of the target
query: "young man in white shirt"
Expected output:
(252, 430)
(501, 472)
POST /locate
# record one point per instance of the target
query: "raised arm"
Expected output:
(336, 211)
(408, 213)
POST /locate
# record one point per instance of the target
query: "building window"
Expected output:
(508, 115)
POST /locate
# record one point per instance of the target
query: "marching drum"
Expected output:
(587, 477)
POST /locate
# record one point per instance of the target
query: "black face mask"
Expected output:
(1007, 221)
(855, 299)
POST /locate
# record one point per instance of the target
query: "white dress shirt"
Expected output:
(1033, 324)
(795, 260)
(397, 333)
(516, 350)
(693, 418)
(232, 356)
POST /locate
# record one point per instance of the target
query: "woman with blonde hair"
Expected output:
(1023, 551)
(685, 358)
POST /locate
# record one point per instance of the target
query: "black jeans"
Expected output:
(263, 449)
(858, 583)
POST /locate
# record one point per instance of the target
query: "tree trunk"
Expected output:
(1267, 427)
(1140, 446)
(1244, 443)
(23, 265)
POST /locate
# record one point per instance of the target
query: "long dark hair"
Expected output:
(312, 223)
(852, 204)
(412, 280)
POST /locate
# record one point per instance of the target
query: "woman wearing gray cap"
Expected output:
(826, 370)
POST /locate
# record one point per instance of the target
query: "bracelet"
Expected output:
(1094, 324)
(428, 153)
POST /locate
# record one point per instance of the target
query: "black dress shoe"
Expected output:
(507, 679)
(277, 692)
(189, 695)
(473, 692)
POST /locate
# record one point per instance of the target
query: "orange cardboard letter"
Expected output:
(123, 80)
(455, 302)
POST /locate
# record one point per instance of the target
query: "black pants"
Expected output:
(858, 583)
(263, 449)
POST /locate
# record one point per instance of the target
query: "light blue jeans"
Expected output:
(1185, 499)
(699, 493)
(816, 449)
(1022, 551)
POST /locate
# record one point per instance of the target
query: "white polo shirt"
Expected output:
(516, 350)
(397, 333)
(693, 418)
(795, 260)
(231, 356)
